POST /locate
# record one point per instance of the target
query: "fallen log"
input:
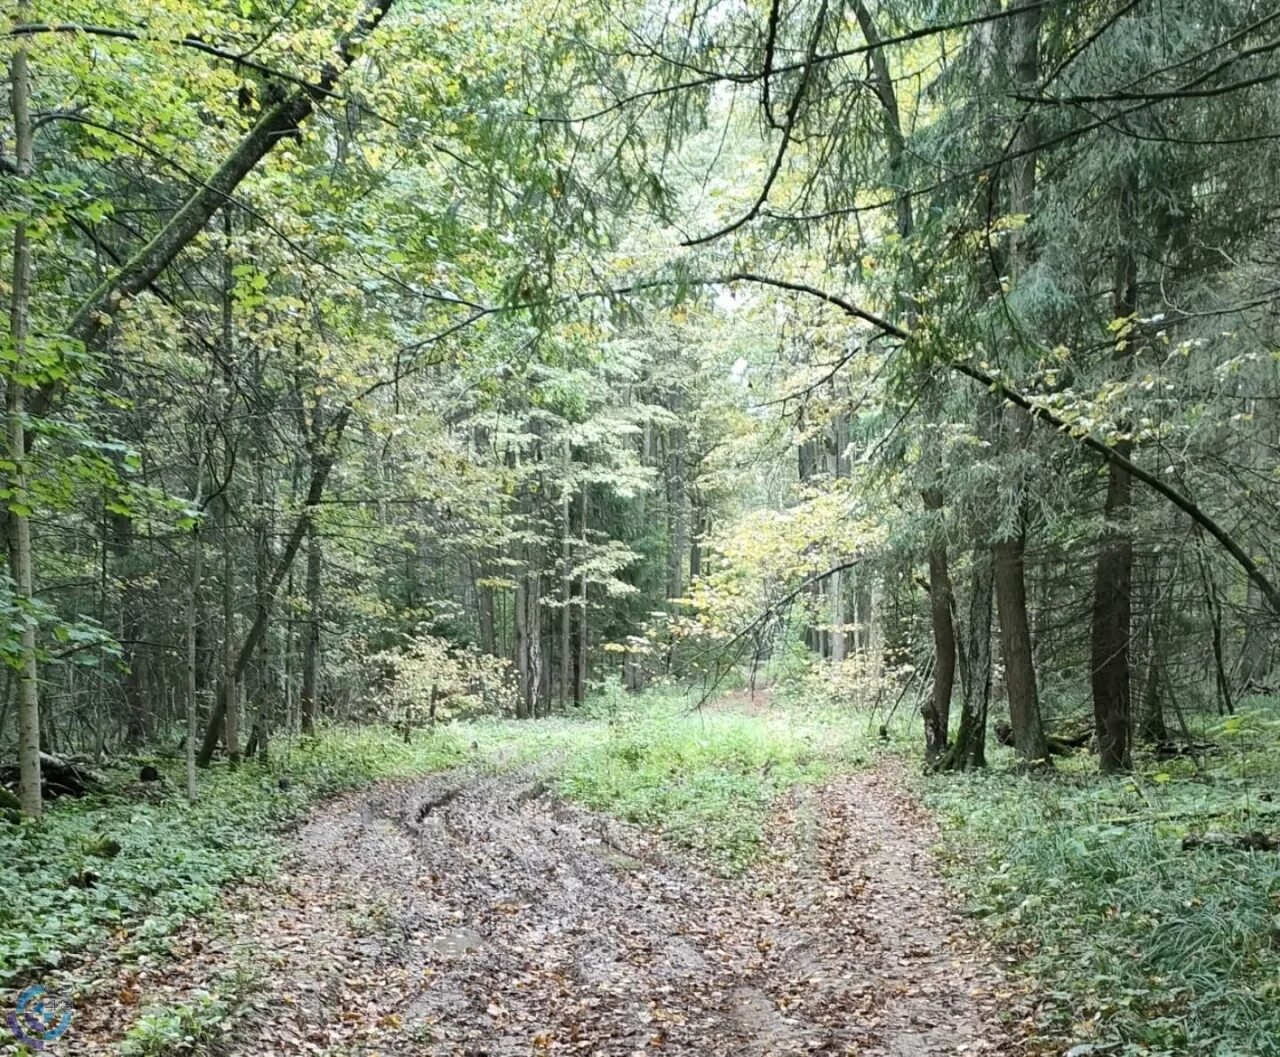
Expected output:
(1059, 744)
(1183, 816)
(1256, 840)
(1172, 750)
(58, 777)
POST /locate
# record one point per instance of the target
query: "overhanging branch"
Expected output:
(277, 122)
(1047, 416)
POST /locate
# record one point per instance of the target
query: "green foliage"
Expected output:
(1131, 940)
(178, 1029)
(169, 859)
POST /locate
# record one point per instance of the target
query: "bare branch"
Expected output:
(793, 112)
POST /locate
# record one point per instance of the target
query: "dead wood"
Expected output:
(1256, 840)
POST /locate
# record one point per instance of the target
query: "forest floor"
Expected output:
(479, 913)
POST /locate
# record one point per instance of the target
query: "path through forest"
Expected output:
(476, 914)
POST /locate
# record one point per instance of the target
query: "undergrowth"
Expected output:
(1137, 946)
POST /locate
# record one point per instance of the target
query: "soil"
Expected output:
(473, 914)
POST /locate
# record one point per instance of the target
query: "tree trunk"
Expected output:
(292, 720)
(1111, 626)
(29, 791)
(1113, 575)
(311, 648)
(484, 610)
(698, 520)
(970, 749)
(1015, 643)
(193, 644)
(193, 614)
(1255, 653)
(263, 526)
(566, 585)
(677, 512)
(937, 717)
(1214, 607)
(806, 467)
(1152, 728)
(131, 627)
(321, 465)
(581, 673)
(1029, 739)
(528, 644)
(836, 590)
(533, 643)
(229, 674)
(864, 614)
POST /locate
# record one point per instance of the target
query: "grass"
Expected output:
(1136, 946)
(705, 779)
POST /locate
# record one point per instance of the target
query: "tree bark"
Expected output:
(264, 683)
(131, 628)
(677, 507)
(566, 584)
(192, 630)
(230, 676)
(970, 747)
(1255, 653)
(1152, 727)
(864, 614)
(534, 661)
(528, 644)
(29, 787)
(1109, 654)
(193, 619)
(814, 639)
(311, 648)
(484, 607)
(1214, 607)
(937, 717)
(1113, 574)
(580, 669)
(835, 588)
(1029, 739)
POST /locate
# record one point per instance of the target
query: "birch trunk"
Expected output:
(29, 792)
(193, 644)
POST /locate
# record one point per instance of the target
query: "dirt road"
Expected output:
(472, 914)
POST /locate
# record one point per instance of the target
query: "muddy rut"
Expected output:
(473, 914)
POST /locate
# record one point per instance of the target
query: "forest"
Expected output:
(694, 527)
